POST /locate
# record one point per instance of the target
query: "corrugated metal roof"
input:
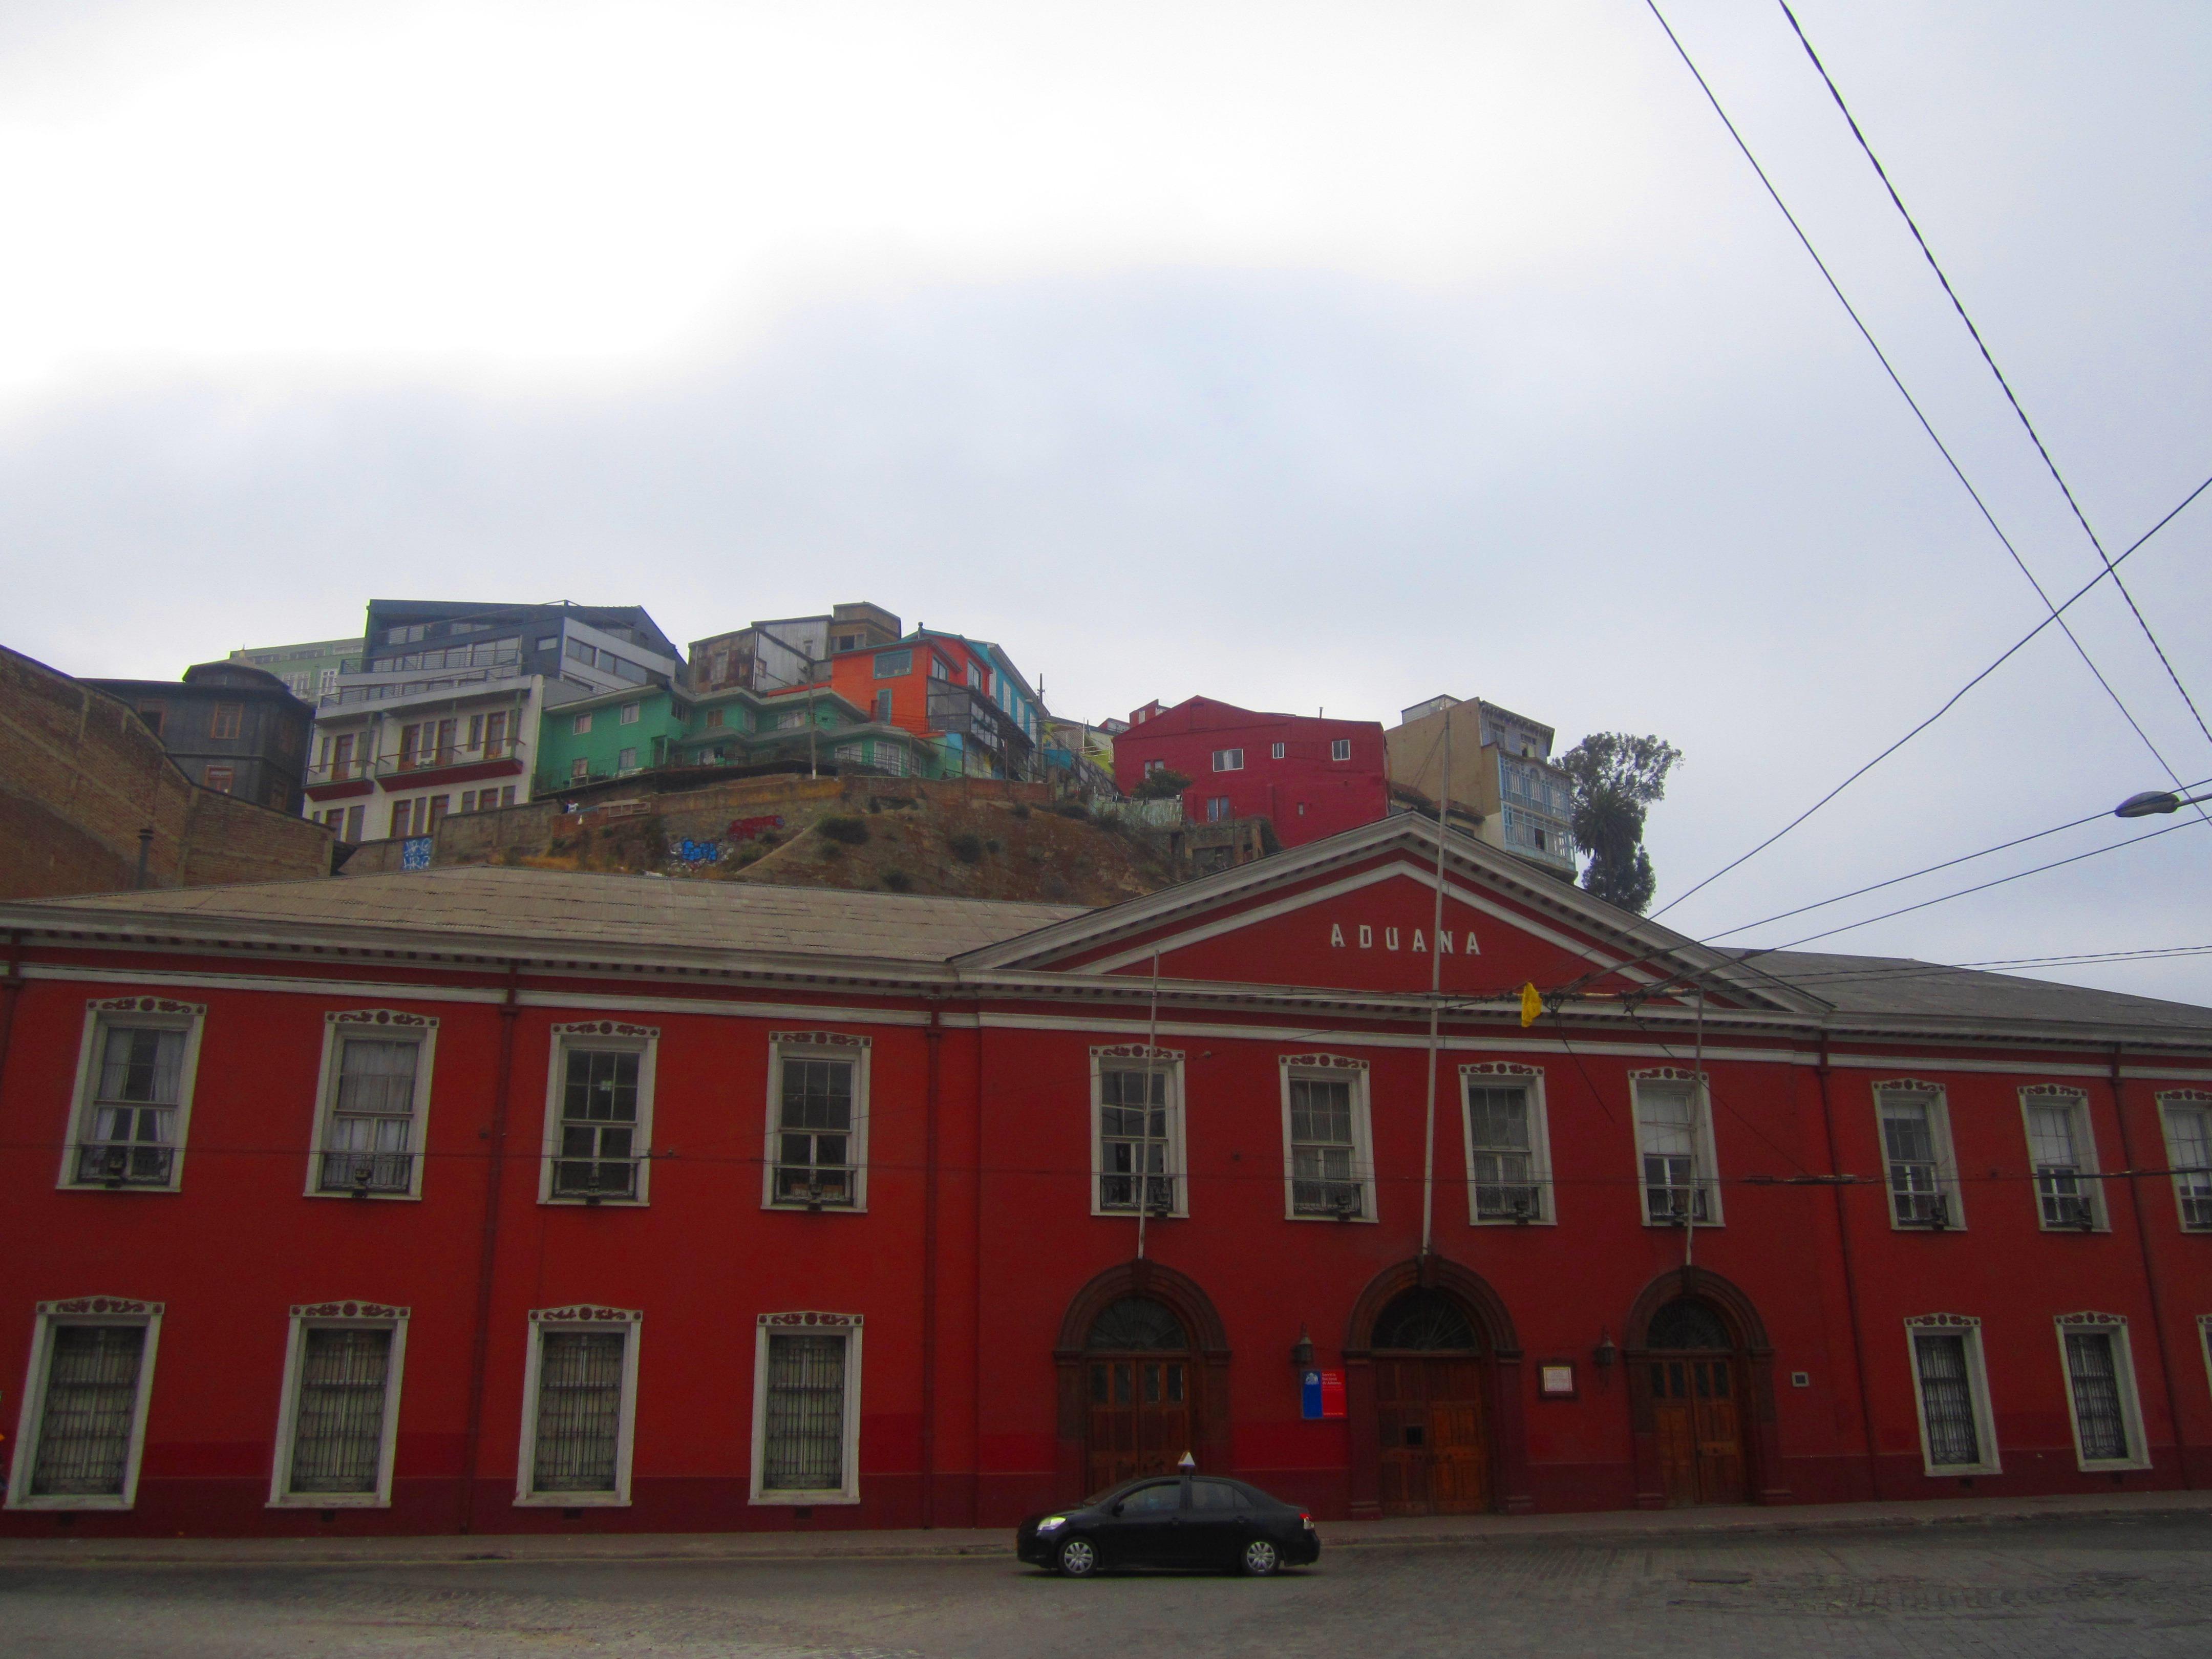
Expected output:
(1903, 986)
(555, 907)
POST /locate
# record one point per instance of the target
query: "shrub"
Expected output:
(1020, 808)
(967, 848)
(1160, 786)
(898, 881)
(1074, 809)
(850, 830)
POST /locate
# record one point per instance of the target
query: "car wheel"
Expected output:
(1261, 1558)
(1077, 1558)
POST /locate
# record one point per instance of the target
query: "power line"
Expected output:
(1926, 426)
(1958, 305)
(2134, 840)
(1914, 969)
(1929, 870)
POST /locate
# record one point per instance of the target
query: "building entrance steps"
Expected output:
(1609, 1526)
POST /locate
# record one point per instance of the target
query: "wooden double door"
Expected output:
(1138, 1416)
(1434, 1440)
(1697, 1412)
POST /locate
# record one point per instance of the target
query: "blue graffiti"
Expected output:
(699, 852)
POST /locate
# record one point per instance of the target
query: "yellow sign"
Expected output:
(1531, 1005)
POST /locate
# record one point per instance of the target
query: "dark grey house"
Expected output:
(233, 728)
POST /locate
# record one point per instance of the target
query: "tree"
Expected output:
(1163, 785)
(1616, 778)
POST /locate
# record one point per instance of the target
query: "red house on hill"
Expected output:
(1311, 777)
(498, 1200)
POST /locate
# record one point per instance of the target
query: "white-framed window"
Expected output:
(626, 760)
(82, 1425)
(598, 1113)
(340, 1416)
(372, 1104)
(1328, 1152)
(807, 1409)
(1508, 1145)
(133, 1101)
(2100, 1392)
(2204, 1343)
(581, 725)
(1915, 1121)
(631, 713)
(816, 1157)
(1152, 766)
(1951, 1392)
(578, 1406)
(1275, 752)
(1136, 1131)
(1229, 760)
(580, 770)
(2187, 1116)
(2062, 1148)
(1676, 1163)
(1339, 749)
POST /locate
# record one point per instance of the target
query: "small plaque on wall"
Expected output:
(1556, 1380)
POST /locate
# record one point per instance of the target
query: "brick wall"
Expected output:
(81, 775)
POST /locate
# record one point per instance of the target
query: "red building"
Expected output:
(506, 1201)
(1310, 778)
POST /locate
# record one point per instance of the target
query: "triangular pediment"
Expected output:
(1358, 912)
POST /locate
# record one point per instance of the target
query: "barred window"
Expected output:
(88, 1411)
(814, 1132)
(1947, 1399)
(1911, 1133)
(1324, 1178)
(599, 1124)
(1132, 1138)
(2093, 1374)
(803, 1436)
(2058, 1144)
(369, 1144)
(130, 1127)
(337, 1441)
(1500, 1144)
(2188, 1154)
(579, 1411)
(1677, 1185)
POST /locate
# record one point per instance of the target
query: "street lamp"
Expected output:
(2155, 800)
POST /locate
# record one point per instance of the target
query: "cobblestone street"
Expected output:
(2139, 1587)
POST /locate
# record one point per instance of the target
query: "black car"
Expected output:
(1171, 1521)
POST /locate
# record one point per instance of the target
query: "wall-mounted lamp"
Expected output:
(1302, 1351)
(1603, 1357)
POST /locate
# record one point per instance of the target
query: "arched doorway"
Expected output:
(1143, 1364)
(1432, 1374)
(1434, 1444)
(1700, 1378)
(1136, 1378)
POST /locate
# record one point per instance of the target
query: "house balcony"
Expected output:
(456, 763)
(983, 724)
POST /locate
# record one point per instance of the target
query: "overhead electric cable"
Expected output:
(1950, 460)
(1982, 345)
(2133, 840)
(1929, 870)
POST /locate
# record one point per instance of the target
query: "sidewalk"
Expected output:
(1609, 1526)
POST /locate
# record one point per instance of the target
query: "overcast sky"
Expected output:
(1301, 355)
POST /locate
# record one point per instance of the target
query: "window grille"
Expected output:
(2189, 1142)
(2094, 1371)
(369, 1146)
(1666, 1122)
(2054, 1138)
(339, 1443)
(598, 1124)
(1947, 1399)
(91, 1402)
(134, 1108)
(579, 1383)
(1322, 1181)
(1504, 1161)
(803, 1441)
(814, 1138)
(1132, 1137)
(1916, 1198)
